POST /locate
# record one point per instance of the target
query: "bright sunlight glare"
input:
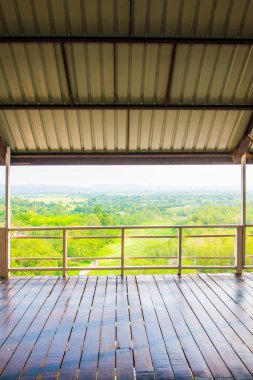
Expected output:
(170, 176)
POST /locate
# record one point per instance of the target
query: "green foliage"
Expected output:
(103, 210)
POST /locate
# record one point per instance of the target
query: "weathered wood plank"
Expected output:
(14, 296)
(160, 359)
(6, 286)
(241, 309)
(191, 348)
(143, 327)
(12, 342)
(124, 352)
(141, 350)
(51, 365)
(71, 360)
(221, 312)
(27, 343)
(107, 354)
(19, 312)
(39, 353)
(223, 347)
(177, 357)
(241, 288)
(89, 359)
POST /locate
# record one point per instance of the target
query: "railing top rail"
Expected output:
(61, 228)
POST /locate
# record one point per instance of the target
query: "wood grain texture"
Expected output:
(138, 327)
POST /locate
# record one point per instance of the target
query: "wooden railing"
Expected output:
(237, 232)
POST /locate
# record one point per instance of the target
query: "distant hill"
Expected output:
(105, 189)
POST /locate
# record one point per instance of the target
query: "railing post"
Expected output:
(7, 211)
(122, 252)
(3, 251)
(65, 252)
(239, 249)
(243, 205)
(179, 250)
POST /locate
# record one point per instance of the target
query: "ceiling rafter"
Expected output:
(170, 75)
(126, 39)
(245, 142)
(142, 158)
(67, 76)
(124, 106)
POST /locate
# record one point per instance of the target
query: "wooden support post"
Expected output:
(7, 212)
(243, 204)
(122, 252)
(3, 271)
(239, 250)
(179, 251)
(65, 253)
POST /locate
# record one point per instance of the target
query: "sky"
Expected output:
(85, 176)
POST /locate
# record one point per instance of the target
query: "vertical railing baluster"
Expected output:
(122, 251)
(65, 252)
(179, 250)
(239, 250)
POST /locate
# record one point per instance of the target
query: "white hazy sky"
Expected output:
(215, 176)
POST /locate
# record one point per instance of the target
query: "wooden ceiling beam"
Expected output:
(124, 106)
(245, 142)
(197, 158)
(2, 152)
(126, 39)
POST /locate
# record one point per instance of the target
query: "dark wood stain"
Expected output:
(139, 327)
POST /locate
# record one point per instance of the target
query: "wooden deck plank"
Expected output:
(38, 356)
(6, 286)
(19, 312)
(25, 347)
(107, 354)
(160, 358)
(142, 357)
(177, 357)
(241, 309)
(220, 312)
(248, 276)
(71, 360)
(138, 327)
(89, 359)
(14, 296)
(191, 348)
(240, 287)
(206, 329)
(247, 279)
(51, 365)
(229, 354)
(124, 352)
(240, 291)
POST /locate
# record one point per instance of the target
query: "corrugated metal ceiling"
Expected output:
(136, 131)
(126, 73)
(196, 18)
(130, 73)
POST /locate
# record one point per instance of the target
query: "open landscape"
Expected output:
(125, 206)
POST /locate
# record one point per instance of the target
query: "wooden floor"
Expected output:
(143, 327)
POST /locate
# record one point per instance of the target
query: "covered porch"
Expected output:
(126, 82)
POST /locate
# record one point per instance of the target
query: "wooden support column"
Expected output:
(243, 204)
(4, 232)
(241, 231)
(3, 273)
(7, 210)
